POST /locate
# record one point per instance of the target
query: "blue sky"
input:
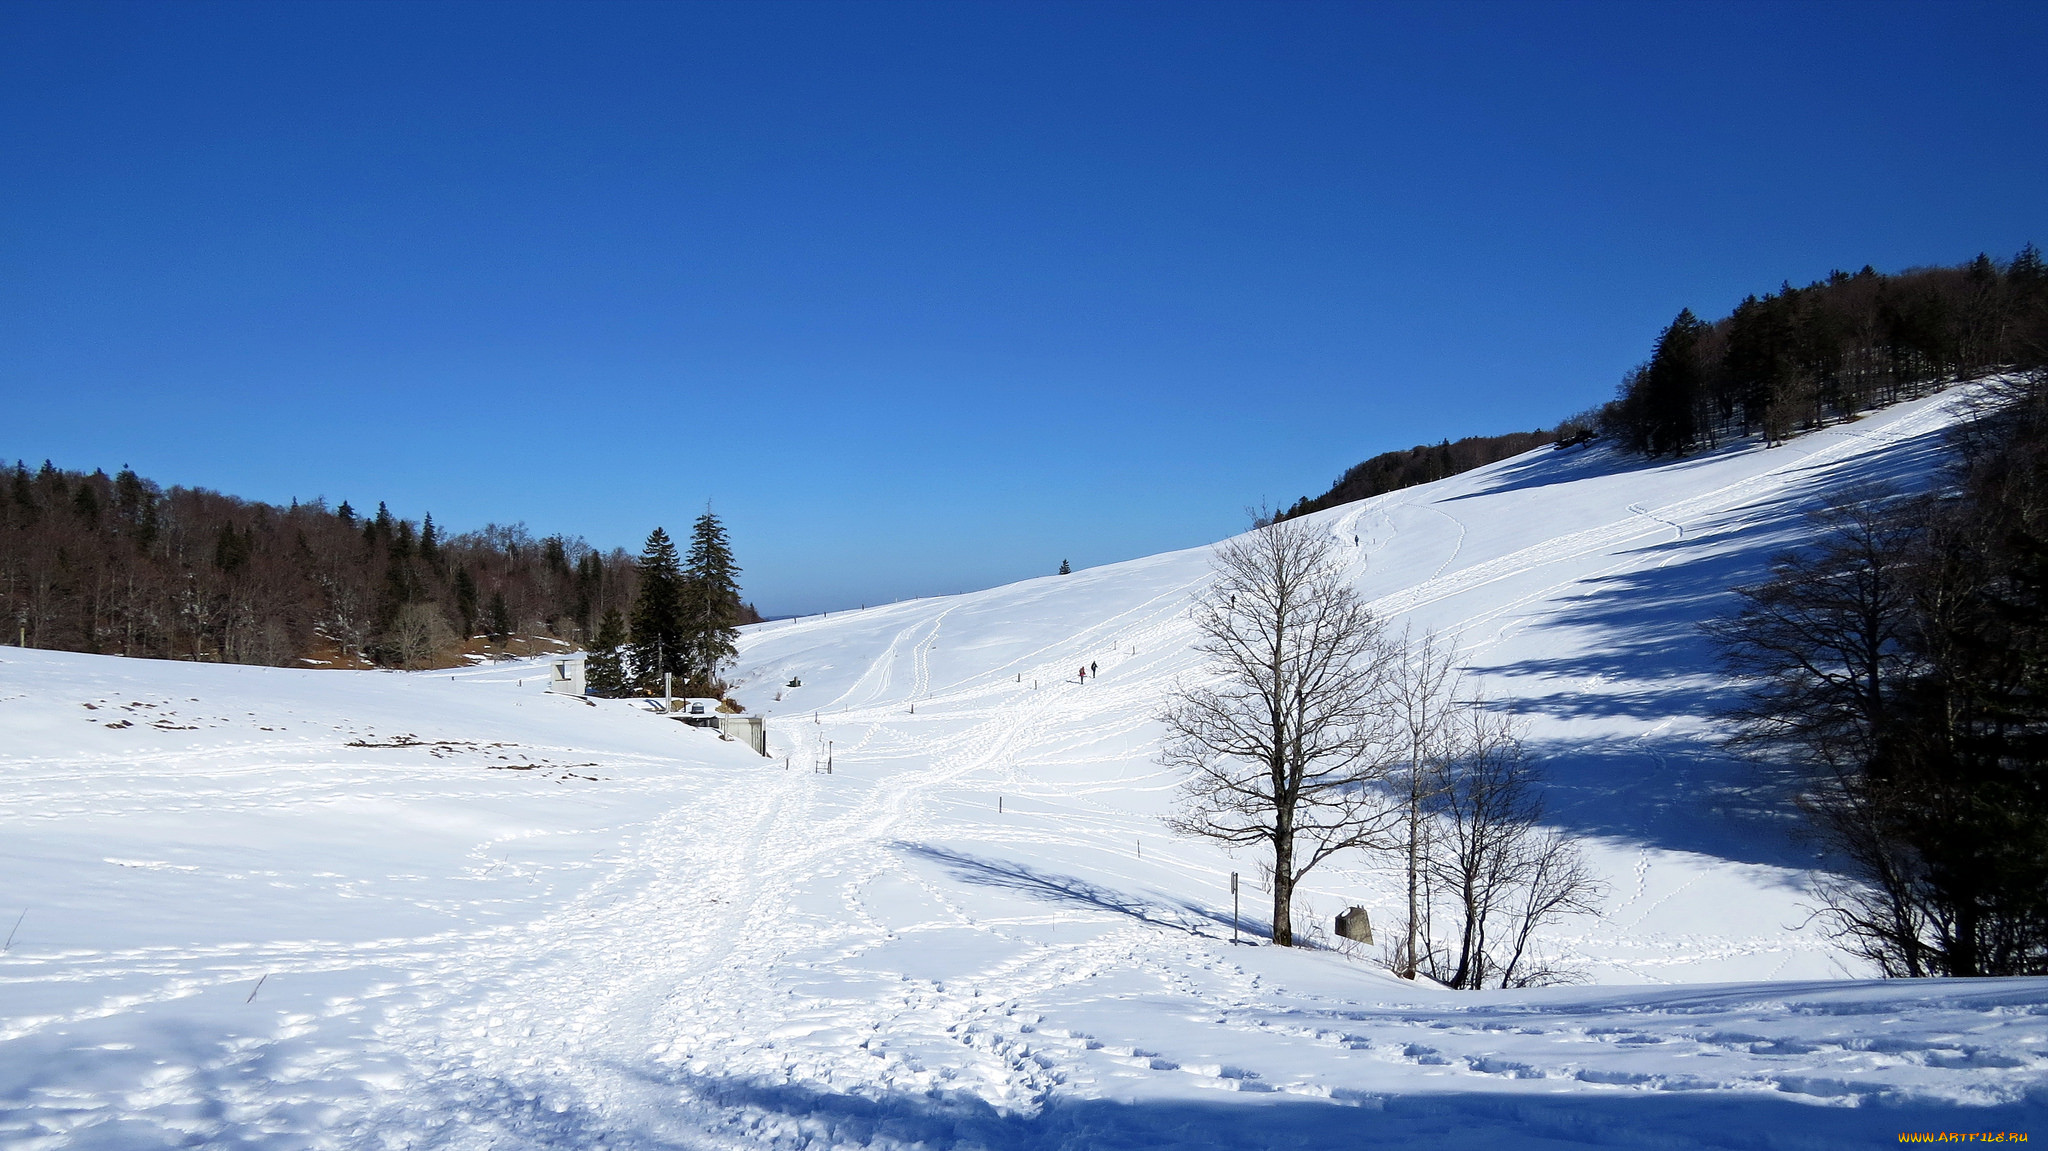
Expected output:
(929, 297)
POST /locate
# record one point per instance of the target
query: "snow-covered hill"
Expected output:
(272, 908)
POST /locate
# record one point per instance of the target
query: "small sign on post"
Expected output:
(1233, 907)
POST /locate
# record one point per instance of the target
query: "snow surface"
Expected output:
(273, 908)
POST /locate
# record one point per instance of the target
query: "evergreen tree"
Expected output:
(465, 601)
(500, 624)
(231, 549)
(604, 670)
(711, 603)
(589, 582)
(1673, 384)
(2027, 287)
(658, 632)
(1064, 569)
(402, 582)
(87, 504)
(136, 501)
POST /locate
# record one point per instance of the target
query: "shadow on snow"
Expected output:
(1081, 893)
(1679, 789)
(769, 1114)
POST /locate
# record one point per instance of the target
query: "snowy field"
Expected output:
(282, 909)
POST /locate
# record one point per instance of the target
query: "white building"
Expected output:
(566, 676)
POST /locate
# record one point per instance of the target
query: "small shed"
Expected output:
(566, 676)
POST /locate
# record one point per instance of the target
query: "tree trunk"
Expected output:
(1414, 862)
(1283, 884)
(1468, 936)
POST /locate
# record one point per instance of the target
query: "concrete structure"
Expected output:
(566, 677)
(749, 729)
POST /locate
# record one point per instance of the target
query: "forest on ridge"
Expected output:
(119, 565)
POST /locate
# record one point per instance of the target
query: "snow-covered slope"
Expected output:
(282, 909)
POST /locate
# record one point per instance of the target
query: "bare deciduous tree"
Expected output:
(1824, 648)
(1495, 876)
(1282, 741)
(418, 633)
(1897, 663)
(1422, 693)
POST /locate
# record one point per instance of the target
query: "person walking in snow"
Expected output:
(1084, 674)
(1093, 670)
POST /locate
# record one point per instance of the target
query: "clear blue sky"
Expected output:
(929, 297)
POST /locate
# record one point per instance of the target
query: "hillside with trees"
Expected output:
(1421, 464)
(1895, 662)
(1779, 364)
(1799, 358)
(119, 565)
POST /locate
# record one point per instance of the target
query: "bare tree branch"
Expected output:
(1281, 742)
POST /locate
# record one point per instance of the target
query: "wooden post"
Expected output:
(1233, 907)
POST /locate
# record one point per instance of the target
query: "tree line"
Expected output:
(1900, 665)
(119, 565)
(1799, 358)
(1779, 364)
(1421, 464)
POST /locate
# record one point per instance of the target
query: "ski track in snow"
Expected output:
(527, 923)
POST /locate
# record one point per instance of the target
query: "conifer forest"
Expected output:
(122, 566)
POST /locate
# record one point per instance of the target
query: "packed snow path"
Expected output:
(285, 909)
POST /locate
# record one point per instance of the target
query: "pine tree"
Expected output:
(711, 603)
(1064, 569)
(135, 499)
(604, 670)
(465, 601)
(87, 505)
(231, 549)
(2027, 283)
(1673, 384)
(500, 624)
(589, 582)
(658, 632)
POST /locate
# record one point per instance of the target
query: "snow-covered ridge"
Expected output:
(270, 908)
